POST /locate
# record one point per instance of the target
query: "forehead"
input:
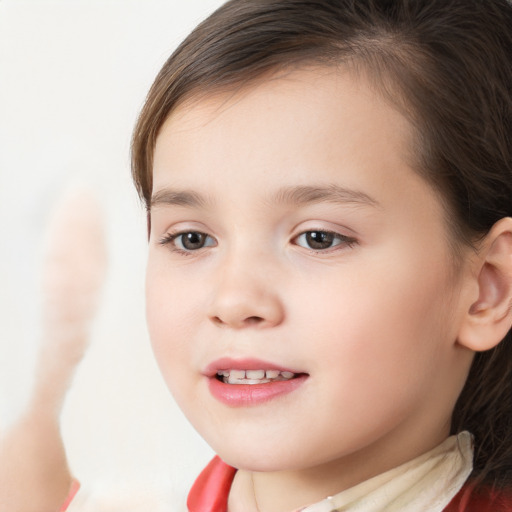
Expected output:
(308, 90)
(310, 126)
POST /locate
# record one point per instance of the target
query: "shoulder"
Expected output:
(482, 499)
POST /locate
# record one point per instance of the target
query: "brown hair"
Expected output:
(446, 63)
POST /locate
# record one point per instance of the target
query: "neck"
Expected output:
(286, 491)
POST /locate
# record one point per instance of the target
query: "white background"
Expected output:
(73, 76)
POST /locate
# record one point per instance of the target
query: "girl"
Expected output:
(329, 284)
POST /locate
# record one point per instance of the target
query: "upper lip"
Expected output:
(227, 363)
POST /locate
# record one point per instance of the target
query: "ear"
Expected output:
(489, 317)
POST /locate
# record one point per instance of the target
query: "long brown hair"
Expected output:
(447, 64)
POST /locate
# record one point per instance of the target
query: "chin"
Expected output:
(256, 455)
(259, 462)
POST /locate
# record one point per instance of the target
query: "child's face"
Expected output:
(312, 247)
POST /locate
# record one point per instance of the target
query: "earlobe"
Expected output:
(489, 317)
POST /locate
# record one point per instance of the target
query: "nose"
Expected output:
(246, 296)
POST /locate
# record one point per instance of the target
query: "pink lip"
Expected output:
(243, 395)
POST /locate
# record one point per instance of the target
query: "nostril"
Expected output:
(253, 320)
(217, 320)
(246, 322)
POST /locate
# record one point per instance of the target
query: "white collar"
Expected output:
(427, 483)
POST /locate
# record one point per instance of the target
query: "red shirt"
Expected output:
(211, 489)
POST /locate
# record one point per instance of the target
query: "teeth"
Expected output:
(255, 381)
(253, 376)
(237, 374)
(233, 380)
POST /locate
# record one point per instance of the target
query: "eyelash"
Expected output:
(170, 239)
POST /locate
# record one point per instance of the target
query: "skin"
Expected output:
(373, 320)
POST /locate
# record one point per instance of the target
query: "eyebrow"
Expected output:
(303, 195)
(169, 197)
(294, 196)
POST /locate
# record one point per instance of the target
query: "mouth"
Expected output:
(251, 382)
(254, 377)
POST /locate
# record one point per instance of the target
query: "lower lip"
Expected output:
(243, 395)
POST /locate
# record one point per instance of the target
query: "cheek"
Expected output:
(382, 327)
(375, 355)
(171, 318)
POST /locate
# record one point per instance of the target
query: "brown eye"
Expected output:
(188, 241)
(321, 240)
(191, 241)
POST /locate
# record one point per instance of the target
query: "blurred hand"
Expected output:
(34, 472)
